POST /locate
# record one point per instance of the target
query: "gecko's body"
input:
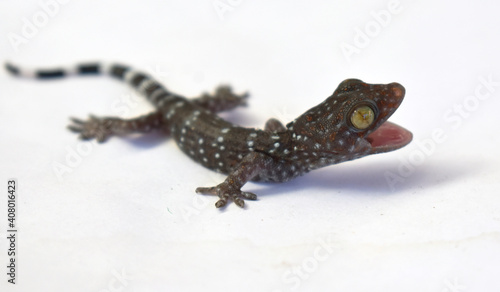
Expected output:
(349, 124)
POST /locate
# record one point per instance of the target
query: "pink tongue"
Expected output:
(389, 135)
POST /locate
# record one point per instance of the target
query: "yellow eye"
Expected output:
(362, 117)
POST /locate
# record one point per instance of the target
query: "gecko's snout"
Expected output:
(398, 90)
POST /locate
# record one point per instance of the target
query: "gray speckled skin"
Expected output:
(321, 136)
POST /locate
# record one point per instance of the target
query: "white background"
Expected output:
(126, 217)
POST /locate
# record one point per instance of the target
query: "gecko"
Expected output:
(350, 123)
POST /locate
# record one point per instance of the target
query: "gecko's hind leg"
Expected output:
(222, 100)
(230, 189)
(103, 128)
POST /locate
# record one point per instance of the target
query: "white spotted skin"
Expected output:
(221, 146)
(211, 141)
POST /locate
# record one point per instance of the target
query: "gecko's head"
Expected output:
(352, 122)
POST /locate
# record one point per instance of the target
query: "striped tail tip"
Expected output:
(81, 69)
(12, 69)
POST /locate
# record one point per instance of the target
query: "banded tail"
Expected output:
(142, 82)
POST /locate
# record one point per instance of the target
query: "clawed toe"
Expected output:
(77, 125)
(209, 191)
(220, 203)
(77, 121)
(249, 196)
(225, 194)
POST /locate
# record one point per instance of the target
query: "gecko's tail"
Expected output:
(142, 82)
(12, 69)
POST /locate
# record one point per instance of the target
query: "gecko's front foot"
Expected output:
(225, 192)
(222, 100)
(100, 129)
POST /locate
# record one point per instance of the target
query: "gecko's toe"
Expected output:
(203, 190)
(93, 117)
(74, 129)
(85, 137)
(77, 121)
(76, 125)
(239, 202)
(100, 137)
(220, 203)
(249, 196)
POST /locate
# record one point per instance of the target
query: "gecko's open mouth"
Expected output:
(389, 137)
